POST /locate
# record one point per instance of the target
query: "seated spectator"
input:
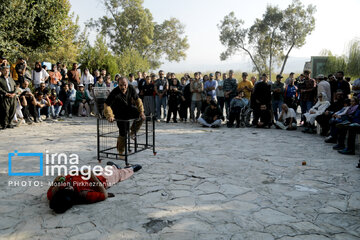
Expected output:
(67, 96)
(108, 82)
(351, 129)
(264, 116)
(55, 103)
(205, 103)
(324, 119)
(42, 106)
(91, 96)
(174, 97)
(100, 95)
(28, 103)
(81, 101)
(236, 106)
(287, 119)
(212, 116)
(345, 114)
(319, 108)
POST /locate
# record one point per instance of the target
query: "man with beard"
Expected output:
(261, 101)
(8, 99)
(123, 103)
(39, 75)
(342, 84)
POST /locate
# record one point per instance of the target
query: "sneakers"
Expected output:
(338, 147)
(70, 115)
(135, 167)
(347, 151)
(330, 140)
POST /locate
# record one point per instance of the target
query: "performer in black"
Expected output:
(123, 103)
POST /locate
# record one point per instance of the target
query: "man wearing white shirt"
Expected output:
(7, 99)
(287, 119)
(323, 86)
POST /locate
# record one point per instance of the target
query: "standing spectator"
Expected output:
(277, 90)
(148, 94)
(103, 73)
(55, 104)
(210, 87)
(7, 99)
(96, 75)
(13, 72)
(289, 79)
(55, 79)
(230, 91)
(39, 75)
(63, 73)
(139, 76)
(67, 96)
(87, 79)
(323, 86)
(185, 99)
(342, 84)
(219, 91)
(174, 95)
(196, 89)
(161, 88)
(133, 82)
(100, 95)
(253, 80)
(212, 116)
(307, 94)
(246, 86)
(92, 104)
(291, 95)
(261, 102)
(82, 101)
(287, 119)
(74, 76)
(108, 82)
(20, 69)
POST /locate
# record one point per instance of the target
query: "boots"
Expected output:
(120, 145)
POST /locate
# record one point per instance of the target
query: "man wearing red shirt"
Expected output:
(74, 189)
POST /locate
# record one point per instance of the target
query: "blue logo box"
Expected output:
(15, 153)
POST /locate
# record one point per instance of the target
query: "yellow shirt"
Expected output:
(13, 72)
(242, 85)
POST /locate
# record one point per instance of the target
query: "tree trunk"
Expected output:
(286, 58)
(252, 59)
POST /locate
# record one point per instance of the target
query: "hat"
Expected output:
(81, 85)
(320, 76)
(211, 74)
(264, 75)
(279, 76)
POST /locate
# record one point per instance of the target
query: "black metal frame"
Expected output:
(109, 131)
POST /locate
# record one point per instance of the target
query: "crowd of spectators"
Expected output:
(209, 100)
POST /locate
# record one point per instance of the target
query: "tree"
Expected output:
(27, 26)
(298, 23)
(98, 57)
(266, 40)
(130, 27)
(353, 63)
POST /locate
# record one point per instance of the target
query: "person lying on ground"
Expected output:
(72, 189)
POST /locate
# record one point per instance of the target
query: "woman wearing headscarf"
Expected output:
(319, 108)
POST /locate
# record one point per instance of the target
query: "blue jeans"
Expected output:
(276, 105)
(55, 110)
(159, 103)
(305, 107)
(227, 106)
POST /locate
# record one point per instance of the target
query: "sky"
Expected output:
(336, 26)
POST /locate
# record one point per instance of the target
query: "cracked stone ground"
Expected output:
(203, 184)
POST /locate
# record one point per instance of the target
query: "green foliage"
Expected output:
(98, 57)
(29, 25)
(131, 61)
(267, 39)
(349, 62)
(129, 26)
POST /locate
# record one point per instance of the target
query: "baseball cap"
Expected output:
(279, 76)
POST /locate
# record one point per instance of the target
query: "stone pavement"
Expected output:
(203, 184)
